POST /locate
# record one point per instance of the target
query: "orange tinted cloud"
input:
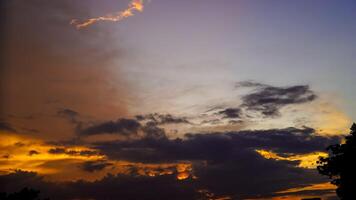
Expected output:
(184, 171)
(306, 160)
(59, 163)
(135, 5)
(19, 152)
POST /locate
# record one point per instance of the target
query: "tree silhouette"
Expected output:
(24, 194)
(340, 166)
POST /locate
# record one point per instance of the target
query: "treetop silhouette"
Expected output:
(340, 166)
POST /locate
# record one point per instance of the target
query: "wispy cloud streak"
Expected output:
(134, 5)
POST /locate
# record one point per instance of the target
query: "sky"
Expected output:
(163, 99)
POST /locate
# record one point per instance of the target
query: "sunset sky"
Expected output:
(164, 99)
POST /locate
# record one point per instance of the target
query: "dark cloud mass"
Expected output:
(215, 146)
(121, 126)
(131, 127)
(226, 164)
(268, 100)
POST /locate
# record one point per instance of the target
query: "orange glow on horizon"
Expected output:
(319, 186)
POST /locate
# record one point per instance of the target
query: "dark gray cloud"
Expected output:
(151, 130)
(92, 166)
(62, 150)
(131, 127)
(231, 113)
(161, 119)
(263, 99)
(121, 126)
(268, 100)
(4, 126)
(69, 114)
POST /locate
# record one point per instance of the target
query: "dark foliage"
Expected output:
(24, 194)
(340, 166)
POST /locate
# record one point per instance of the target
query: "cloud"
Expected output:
(57, 151)
(151, 130)
(135, 5)
(215, 146)
(249, 84)
(62, 150)
(92, 166)
(69, 114)
(230, 158)
(231, 113)
(33, 152)
(4, 126)
(121, 126)
(143, 126)
(161, 119)
(268, 100)
(261, 100)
